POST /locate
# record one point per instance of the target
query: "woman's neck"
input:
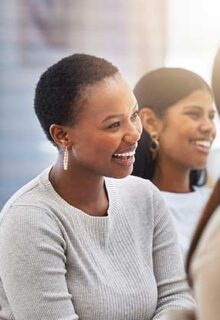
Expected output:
(170, 179)
(82, 191)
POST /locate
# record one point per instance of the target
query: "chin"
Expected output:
(198, 163)
(199, 166)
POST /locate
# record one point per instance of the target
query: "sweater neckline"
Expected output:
(110, 188)
(197, 190)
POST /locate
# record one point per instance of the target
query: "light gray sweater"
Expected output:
(59, 263)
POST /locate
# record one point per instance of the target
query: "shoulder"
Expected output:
(203, 191)
(138, 194)
(21, 196)
(195, 199)
(131, 181)
(134, 186)
(30, 198)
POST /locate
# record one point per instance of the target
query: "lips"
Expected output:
(125, 154)
(203, 143)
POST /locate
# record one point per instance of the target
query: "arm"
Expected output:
(205, 271)
(173, 290)
(32, 266)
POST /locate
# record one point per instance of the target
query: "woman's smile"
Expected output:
(104, 142)
(124, 158)
(203, 146)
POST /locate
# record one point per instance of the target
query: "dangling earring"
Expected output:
(65, 159)
(154, 145)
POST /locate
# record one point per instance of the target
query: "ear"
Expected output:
(151, 123)
(59, 135)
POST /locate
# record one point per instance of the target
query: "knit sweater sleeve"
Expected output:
(32, 265)
(173, 291)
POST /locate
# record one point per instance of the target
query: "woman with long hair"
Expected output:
(176, 110)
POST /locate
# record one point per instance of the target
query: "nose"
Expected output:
(133, 133)
(207, 125)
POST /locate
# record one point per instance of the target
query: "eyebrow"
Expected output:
(119, 115)
(198, 108)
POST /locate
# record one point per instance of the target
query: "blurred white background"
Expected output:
(136, 35)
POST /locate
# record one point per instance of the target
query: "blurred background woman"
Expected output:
(176, 109)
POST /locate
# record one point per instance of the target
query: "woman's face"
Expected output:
(187, 131)
(105, 136)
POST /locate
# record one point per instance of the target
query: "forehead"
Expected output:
(109, 96)
(199, 98)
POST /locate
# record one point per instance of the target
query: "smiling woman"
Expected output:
(108, 125)
(84, 240)
(176, 109)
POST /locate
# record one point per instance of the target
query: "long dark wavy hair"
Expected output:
(159, 90)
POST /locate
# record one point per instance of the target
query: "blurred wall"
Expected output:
(35, 34)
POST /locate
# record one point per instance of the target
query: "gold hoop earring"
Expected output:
(154, 145)
(65, 158)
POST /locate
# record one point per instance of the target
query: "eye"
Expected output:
(194, 115)
(134, 115)
(114, 125)
(212, 116)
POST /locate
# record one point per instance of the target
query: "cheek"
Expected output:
(179, 131)
(214, 131)
(172, 141)
(169, 146)
(106, 144)
(139, 125)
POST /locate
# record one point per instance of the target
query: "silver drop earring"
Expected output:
(65, 159)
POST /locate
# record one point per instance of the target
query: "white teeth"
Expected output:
(126, 154)
(203, 143)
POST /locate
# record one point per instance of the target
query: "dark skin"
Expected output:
(170, 180)
(96, 197)
(107, 125)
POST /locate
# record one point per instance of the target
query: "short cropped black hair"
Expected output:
(60, 87)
